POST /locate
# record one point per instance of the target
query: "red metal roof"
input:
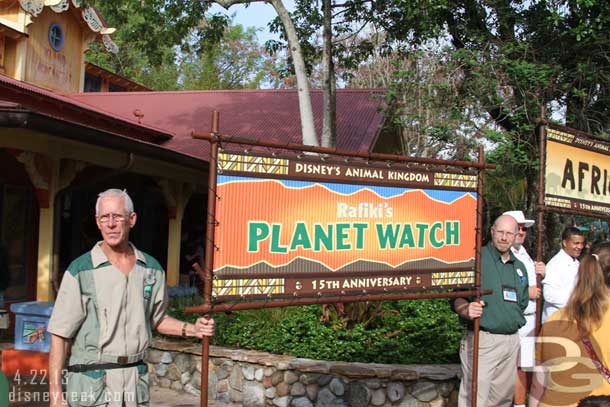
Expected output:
(71, 110)
(168, 118)
(269, 115)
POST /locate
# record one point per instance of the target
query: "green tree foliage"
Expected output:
(516, 55)
(236, 61)
(175, 45)
(513, 59)
(503, 63)
(150, 34)
(426, 106)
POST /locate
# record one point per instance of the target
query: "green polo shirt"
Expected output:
(501, 316)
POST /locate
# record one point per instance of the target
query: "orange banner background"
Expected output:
(272, 202)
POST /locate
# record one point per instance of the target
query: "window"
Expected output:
(116, 88)
(92, 83)
(56, 37)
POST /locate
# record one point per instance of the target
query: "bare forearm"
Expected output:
(170, 326)
(460, 306)
(468, 310)
(57, 359)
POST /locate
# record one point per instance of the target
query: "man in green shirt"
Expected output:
(501, 316)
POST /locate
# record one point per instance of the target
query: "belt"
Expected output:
(103, 366)
(490, 332)
(121, 360)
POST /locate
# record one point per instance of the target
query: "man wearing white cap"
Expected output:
(526, 333)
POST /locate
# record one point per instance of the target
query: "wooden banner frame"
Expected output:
(216, 139)
(362, 227)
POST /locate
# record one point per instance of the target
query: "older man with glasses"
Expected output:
(110, 300)
(501, 316)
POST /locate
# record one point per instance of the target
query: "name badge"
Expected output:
(149, 281)
(509, 294)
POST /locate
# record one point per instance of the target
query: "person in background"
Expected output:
(109, 301)
(561, 272)
(573, 351)
(526, 332)
(501, 316)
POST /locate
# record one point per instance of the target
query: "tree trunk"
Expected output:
(329, 127)
(307, 123)
(305, 108)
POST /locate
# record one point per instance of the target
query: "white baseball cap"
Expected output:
(520, 218)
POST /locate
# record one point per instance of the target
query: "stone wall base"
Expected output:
(259, 379)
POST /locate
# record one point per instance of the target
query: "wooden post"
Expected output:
(477, 276)
(209, 253)
(540, 212)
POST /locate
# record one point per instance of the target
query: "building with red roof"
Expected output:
(60, 146)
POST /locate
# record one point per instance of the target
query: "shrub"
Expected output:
(423, 331)
(402, 332)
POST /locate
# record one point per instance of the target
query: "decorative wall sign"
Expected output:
(92, 19)
(33, 7)
(577, 172)
(109, 44)
(60, 7)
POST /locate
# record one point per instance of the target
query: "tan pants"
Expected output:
(497, 369)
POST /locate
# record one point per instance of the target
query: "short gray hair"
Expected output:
(114, 193)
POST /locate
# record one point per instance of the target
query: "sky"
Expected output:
(257, 14)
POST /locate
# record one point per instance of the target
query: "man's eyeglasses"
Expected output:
(522, 229)
(504, 233)
(116, 217)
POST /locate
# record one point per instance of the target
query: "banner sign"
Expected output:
(577, 172)
(300, 227)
